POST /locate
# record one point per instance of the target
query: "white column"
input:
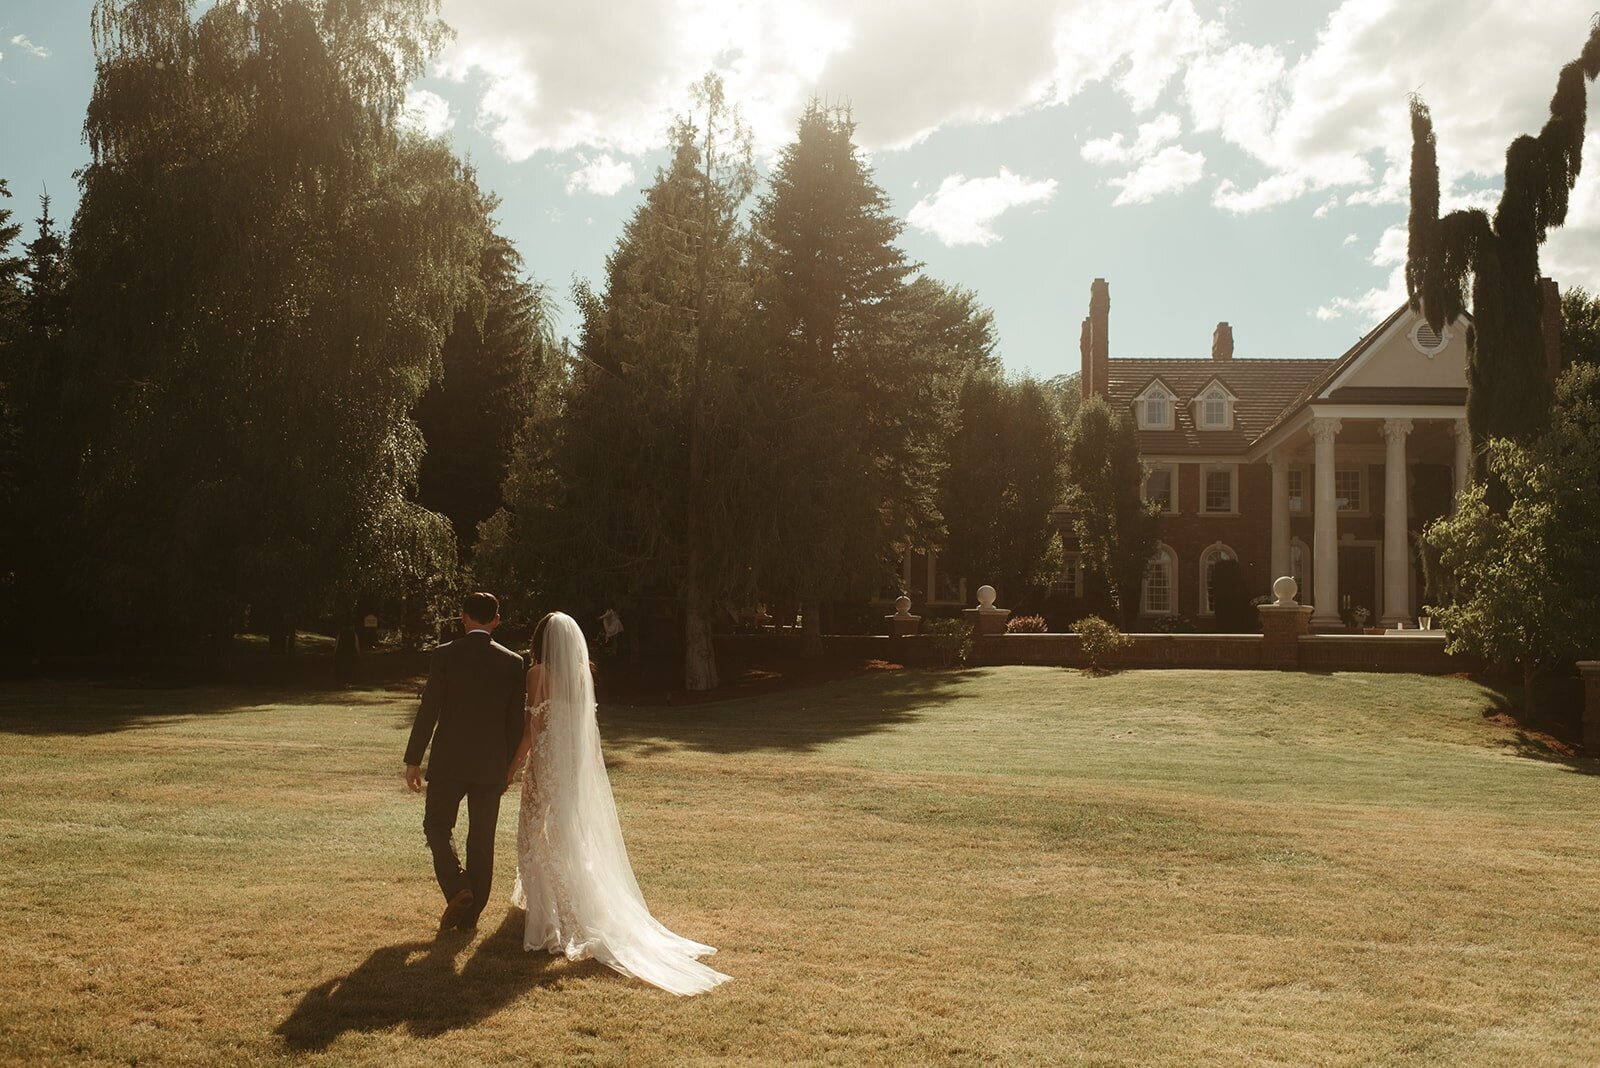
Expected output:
(1280, 513)
(1325, 551)
(1463, 457)
(1396, 541)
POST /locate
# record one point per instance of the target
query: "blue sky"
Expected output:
(1241, 161)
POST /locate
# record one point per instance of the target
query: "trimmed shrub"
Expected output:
(1173, 625)
(1100, 639)
(951, 640)
(1027, 625)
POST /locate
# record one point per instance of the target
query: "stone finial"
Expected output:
(1222, 342)
(986, 618)
(902, 607)
(1284, 590)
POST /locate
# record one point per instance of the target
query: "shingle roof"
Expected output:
(1264, 388)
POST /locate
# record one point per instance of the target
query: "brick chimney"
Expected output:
(1550, 327)
(1222, 342)
(1097, 349)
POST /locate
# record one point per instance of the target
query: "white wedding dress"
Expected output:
(573, 874)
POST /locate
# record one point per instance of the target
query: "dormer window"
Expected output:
(1153, 407)
(1214, 408)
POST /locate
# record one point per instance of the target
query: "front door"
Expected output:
(1358, 582)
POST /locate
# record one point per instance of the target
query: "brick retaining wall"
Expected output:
(1420, 653)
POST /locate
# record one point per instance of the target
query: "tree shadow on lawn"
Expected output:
(106, 708)
(791, 721)
(1543, 748)
(416, 984)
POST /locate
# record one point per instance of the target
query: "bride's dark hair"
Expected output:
(536, 643)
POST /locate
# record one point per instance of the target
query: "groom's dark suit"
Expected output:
(472, 712)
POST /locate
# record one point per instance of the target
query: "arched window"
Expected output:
(1299, 554)
(1158, 595)
(1208, 567)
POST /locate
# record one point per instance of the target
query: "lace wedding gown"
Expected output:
(573, 874)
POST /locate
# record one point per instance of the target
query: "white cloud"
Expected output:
(963, 210)
(1350, 239)
(1379, 301)
(1150, 138)
(1169, 171)
(36, 51)
(1158, 168)
(428, 113)
(602, 176)
(609, 77)
(1336, 117)
(1571, 256)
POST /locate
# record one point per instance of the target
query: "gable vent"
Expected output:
(1426, 339)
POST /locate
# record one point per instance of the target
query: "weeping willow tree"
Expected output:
(265, 266)
(1508, 394)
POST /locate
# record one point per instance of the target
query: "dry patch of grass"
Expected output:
(1012, 864)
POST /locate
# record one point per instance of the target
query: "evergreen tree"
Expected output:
(1114, 525)
(11, 311)
(1508, 395)
(1003, 480)
(45, 534)
(635, 494)
(866, 363)
(472, 415)
(264, 269)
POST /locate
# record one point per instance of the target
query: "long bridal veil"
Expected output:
(574, 877)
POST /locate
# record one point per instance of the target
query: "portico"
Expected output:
(1342, 452)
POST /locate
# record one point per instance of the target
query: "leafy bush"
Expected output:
(951, 640)
(1173, 625)
(1027, 625)
(1100, 639)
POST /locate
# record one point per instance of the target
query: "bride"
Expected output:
(573, 875)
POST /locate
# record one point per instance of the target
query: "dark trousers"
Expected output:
(439, 820)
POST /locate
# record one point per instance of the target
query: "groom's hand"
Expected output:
(414, 778)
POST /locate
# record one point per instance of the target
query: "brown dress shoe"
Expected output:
(459, 909)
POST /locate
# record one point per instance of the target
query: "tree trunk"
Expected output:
(811, 629)
(1529, 670)
(699, 654)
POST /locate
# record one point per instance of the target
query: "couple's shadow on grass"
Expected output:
(417, 984)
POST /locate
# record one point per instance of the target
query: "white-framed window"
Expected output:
(1209, 559)
(1071, 580)
(1349, 489)
(1153, 408)
(1297, 489)
(1161, 484)
(1299, 555)
(1219, 489)
(1158, 592)
(1213, 407)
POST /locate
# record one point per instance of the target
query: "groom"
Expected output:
(472, 712)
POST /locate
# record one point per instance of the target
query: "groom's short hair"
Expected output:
(481, 607)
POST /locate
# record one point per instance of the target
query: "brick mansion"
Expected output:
(1323, 469)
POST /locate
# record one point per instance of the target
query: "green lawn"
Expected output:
(1016, 864)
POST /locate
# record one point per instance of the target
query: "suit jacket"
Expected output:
(472, 709)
